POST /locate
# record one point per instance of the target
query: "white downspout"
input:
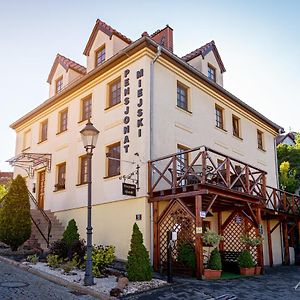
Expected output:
(152, 139)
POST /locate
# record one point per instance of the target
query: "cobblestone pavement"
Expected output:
(278, 283)
(16, 284)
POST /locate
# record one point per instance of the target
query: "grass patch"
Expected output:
(227, 275)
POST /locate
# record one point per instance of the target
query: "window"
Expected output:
(182, 96)
(260, 140)
(27, 140)
(43, 131)
(61, 177)
(86, 108)
(236, 126)
(211, 72)
(114, 92)
(63, 120)
(183, 158)
(83, 161)
(100, 56)
(59, 85)
(219, 117)
(113, 160)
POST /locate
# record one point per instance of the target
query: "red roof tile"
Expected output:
(66, 64)
(100, 25)
(203, 51)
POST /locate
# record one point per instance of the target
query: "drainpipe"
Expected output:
(158, 53)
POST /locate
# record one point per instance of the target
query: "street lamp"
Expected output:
(89, 136)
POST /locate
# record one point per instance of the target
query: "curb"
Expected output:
(57, 280)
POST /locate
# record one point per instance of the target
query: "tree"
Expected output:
(3, 191)
(15, 222)
(138, 265)
(287, 178)
(290, 175)
(71, 233)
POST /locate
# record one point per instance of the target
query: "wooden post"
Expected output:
(228, 183)
(220, 230)
(199, 242)
(260, 248)
(155, 237)
(247, 177)
(270, 243)
(285, 243)
(203, 179)
(264, 186)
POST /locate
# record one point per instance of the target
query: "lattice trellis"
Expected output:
(236, 227)
(179, 219)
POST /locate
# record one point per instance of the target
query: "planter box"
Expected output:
(257, 270)
(247, 271)
(212, 274)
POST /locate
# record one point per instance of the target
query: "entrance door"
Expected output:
(41, 189)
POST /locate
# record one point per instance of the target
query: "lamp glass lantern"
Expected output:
(89, 136)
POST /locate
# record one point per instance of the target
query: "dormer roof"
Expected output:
(204, 50)
(67, 64)
(100, 25)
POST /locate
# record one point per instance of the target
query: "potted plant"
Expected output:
(252, 242)
(246, 264)
(214, 266)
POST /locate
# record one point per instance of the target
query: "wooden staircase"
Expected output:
(41, 226)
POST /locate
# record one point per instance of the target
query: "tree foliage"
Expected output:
(215, 262)
(15, 222)
(289, 166)
(71, 233)
(3, 191)
(138, 265)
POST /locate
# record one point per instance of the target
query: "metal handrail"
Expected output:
(45, 216)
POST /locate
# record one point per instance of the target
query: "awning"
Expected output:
(31, 162)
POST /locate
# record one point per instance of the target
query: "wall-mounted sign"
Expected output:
(126, 120)
(202, 214)
(139, 112)
(138, 217)
(128, 189)
(261, 230)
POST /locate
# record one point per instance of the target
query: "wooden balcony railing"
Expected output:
(206, 166)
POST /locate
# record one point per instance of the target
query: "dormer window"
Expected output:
(211, 73)
(59, 85)
(99, 56)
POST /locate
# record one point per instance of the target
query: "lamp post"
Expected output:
(89, 136)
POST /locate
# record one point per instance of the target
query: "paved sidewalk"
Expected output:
(17, 284)
(278, 283)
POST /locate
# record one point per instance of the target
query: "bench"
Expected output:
(230, 261)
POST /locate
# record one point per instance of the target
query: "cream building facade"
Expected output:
(147, 103)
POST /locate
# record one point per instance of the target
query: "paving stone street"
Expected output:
(16, 284)
(278, 283)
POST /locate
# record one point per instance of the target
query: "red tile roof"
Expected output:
(66, 64)
(100, 25)
(211, 46)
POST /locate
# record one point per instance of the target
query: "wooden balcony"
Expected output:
(204, 170)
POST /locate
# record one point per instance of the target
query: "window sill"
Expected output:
(109, 108)
(59, 190)
(262, 150)
(112, 177)
(237, 137)
(221, 129)
(184, 110)
(58, 133)
(25, 149)
(82, 184)
(81, 121)
(40, 142)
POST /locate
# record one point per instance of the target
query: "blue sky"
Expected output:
(259, 43)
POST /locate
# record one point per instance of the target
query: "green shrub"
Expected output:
(33, 259)
(59, 248)
(102, 256)
(54, 261)
(214, 262)
(71, 233)
(210, 238)
(186, 255)
(138, 262)
(245, 260)
(78, 250)
(15, 222)
(68, 266)
(252, 242)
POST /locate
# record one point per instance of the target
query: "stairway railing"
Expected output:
(47, 233)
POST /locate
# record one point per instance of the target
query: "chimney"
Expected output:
(164, 37)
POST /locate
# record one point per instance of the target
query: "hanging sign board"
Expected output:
(202, 214)
(128, 189)
(199, 230)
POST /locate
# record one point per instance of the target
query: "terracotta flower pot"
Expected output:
(212, 274)
(257, 270)
(247, 271)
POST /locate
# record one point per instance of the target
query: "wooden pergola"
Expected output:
(204, 181)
